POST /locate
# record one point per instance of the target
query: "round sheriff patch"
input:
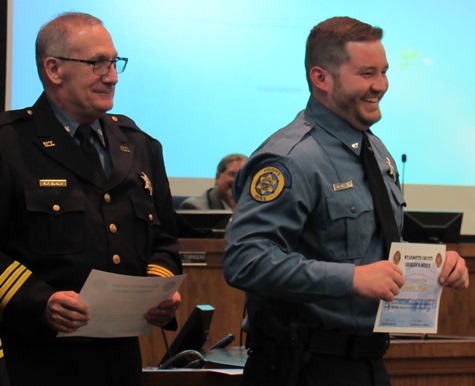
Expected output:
(269, 182)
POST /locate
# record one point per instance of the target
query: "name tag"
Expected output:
(342, 186)
(53, 183)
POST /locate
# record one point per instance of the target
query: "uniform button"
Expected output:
(113, 228)
(353, 209)
(107, 197)
(116, 259)
(56, 208)
(29, 112)
(150, 216)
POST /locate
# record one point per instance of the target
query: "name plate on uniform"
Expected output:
(53, 183)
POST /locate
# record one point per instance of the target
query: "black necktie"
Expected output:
(382, 204)
(83, 133)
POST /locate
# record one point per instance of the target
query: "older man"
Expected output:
(81, 190)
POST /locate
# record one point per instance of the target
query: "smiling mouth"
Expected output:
(105, 93)
(371, 100)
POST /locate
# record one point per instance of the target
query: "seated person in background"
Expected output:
(220, 196)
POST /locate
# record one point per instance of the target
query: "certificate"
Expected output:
(416, 308)
(117, 303)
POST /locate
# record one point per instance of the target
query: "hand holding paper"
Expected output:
(117, 303)
(416, 308)
(454, 272)
(381, 280)
(65, 312)
(164, 312)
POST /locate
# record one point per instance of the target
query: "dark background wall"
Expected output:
(3, 51)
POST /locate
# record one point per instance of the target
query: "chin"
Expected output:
(370, 119)
(103, 107)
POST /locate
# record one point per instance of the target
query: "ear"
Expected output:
(320, 78)
(53, 70)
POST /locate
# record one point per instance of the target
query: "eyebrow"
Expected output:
(102, 56)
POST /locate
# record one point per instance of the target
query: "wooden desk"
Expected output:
(189, 378)
(435, 362)
(457, 308)
(205, 284)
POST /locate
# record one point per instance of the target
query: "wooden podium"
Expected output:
(410, 363)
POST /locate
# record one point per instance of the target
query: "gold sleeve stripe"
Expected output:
(1, 350)
(11, 281)
(8, 272)
(158, 271)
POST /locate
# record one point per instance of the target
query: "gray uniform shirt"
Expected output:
(304, 220)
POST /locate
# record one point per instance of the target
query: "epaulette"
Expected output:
(124, 121)
(14, 116)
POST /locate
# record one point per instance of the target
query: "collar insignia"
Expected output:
(49, 144)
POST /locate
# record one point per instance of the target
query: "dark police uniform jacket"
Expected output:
(58, 220)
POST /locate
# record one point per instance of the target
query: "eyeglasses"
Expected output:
(102, 66)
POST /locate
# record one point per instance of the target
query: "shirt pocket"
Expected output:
(350, 225)
(145, 223)
(56, 221)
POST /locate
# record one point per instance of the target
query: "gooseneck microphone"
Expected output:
(404, 159)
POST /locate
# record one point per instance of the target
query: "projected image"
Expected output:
(217, 77)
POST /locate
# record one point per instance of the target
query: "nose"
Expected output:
(111, 77)
(380, 83)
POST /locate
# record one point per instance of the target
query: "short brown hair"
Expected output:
(326, 44)
(223, 164)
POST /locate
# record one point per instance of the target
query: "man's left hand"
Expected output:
(163, 314)
(454, 273)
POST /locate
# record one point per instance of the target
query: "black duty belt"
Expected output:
(333, 343)
(351, 346)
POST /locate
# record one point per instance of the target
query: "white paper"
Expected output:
(117, 303)
(416, 308)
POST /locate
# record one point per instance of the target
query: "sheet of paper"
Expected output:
(118, 303)
(416, 308)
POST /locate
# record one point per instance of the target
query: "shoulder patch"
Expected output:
(269, 182)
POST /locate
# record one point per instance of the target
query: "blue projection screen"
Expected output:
(208, 78)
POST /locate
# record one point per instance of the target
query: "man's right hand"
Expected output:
(65, 313)
(381, 280)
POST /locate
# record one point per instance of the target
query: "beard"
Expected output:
(350, 106)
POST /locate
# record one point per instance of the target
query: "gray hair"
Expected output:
(52, 39)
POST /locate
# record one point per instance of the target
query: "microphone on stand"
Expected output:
(404, 159)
